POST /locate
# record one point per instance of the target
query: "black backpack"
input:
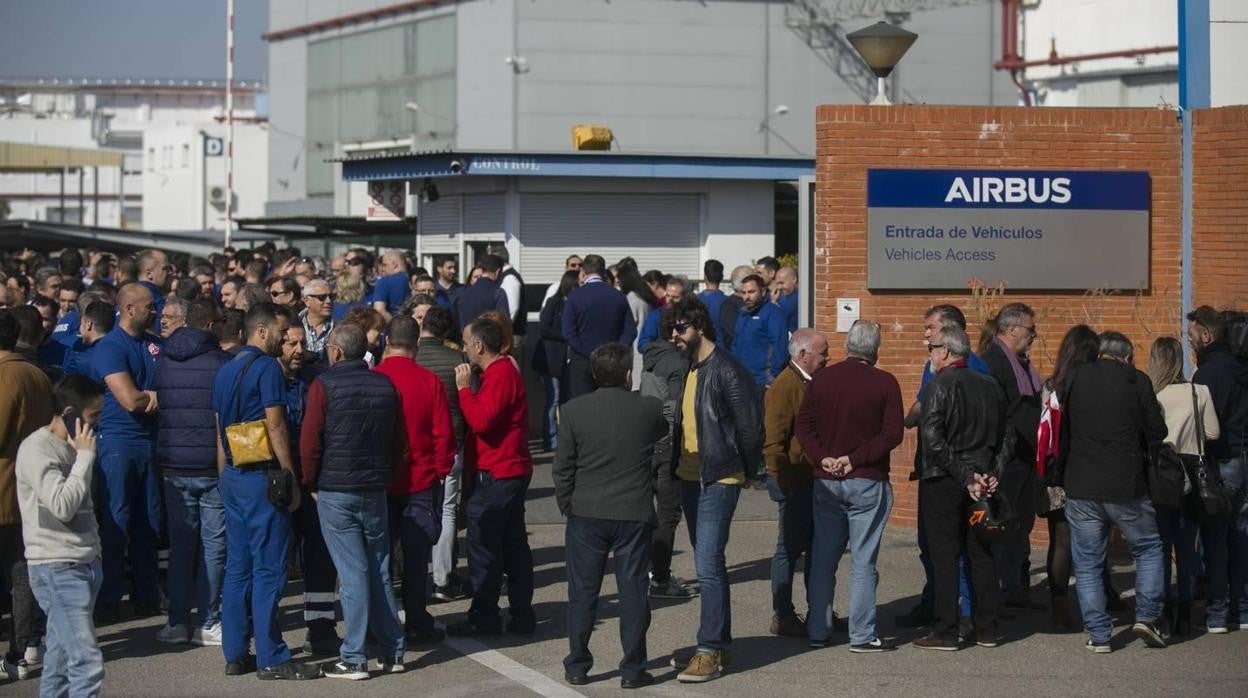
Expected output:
(1237, 333)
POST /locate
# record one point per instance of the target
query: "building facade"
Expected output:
(160, 125)
(714, 77)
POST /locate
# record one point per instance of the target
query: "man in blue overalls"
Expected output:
(127, 481)
(250, 388)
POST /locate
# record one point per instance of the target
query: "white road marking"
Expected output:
(502, 664)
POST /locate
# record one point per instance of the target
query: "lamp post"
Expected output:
(881, 46)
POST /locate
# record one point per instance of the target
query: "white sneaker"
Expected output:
(174, 634)
(34, 655)
(207, 637)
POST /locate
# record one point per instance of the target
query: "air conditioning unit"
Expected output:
(216, 195)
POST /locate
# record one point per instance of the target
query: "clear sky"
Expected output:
(131, 39)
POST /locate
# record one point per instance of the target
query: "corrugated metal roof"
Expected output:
(28, 156)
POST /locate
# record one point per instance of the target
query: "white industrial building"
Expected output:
(159, 125)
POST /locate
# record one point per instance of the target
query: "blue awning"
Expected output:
(573, 164)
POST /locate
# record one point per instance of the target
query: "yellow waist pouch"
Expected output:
(248, 441)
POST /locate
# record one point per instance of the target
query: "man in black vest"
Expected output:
(485, 294)
(513, 287)
(351, 445)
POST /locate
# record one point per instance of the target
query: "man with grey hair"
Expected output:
(513, 287)
(1114, 422)
(731, 307)
(1007, 358)
(789, 475)
(317, 316)
(966, 441)
(848, 424)
(173, 316)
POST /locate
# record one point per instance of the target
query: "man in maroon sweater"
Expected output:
(849, 422)
(497, 418)
(416, 493)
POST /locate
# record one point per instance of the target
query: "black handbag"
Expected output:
(1166, 479)
(1212, 499)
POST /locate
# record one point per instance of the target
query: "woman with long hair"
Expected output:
(552, 352)
(349, 293)
(1079, 346)
(641, 301)
(1188, 410)
(374, 326)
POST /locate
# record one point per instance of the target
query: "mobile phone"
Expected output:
(71, 417)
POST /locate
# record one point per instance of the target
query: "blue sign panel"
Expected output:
(1027, 229)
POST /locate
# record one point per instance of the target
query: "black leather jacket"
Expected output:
(730, 419)
(965, 429)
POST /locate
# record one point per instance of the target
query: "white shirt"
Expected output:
(511, 289)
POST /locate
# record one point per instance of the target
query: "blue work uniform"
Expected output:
(127, 477)
(761, 342)
(714, 300)
(788, 306)
(649, 329)
(392, 290)
(257, 533)
(158, 296)
(66, 330)
(78, 360)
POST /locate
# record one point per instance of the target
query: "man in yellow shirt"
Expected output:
(719, 434)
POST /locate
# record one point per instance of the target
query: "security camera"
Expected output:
(457, 166)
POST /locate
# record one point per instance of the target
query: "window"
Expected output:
(358, 86)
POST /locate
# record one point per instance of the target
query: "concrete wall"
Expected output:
(1228, 52)
(175, 191)
(854, 138)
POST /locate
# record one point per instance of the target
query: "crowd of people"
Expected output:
(260, 407)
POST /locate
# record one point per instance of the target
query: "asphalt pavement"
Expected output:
(1032, 662)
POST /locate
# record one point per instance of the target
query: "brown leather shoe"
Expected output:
(788, 626)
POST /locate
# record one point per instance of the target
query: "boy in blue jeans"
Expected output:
(54, 469)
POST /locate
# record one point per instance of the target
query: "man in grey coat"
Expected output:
(604, 477)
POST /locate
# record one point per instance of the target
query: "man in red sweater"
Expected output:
(497, 419)
(416, 494)
(849, 422)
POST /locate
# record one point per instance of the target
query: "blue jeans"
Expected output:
(1089, 536)
(257, 538)
(196, 522)
(793, 540)
(355, 530)
(851, 513)
(550, 425)
(128, 489)
(1226, 551)
(708, 514)
(73, 664)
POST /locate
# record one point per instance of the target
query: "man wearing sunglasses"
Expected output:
(719, 445)
(317, 317)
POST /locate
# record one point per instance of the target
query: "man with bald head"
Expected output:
(392, 287)
(785, 288)
(789, 474)
(317, 316)
(125, 359)
(154, 271)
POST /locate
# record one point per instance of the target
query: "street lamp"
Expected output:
(881, 46)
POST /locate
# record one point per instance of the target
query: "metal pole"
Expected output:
(82, 204)
(229, 122)
(95, 196)
(62, 216)
(121, 195)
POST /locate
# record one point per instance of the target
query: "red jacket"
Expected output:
(497, 417)
(427, 417)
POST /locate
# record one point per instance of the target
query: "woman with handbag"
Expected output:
(1190, 422)
(1079, 346)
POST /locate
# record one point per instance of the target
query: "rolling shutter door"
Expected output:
(439, 225)
(660, 231)
(484, 213)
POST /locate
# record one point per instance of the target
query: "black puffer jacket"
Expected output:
(964, 425)
(730, 419)
(1227, 378)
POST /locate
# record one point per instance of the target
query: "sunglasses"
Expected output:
(681, 327)
(322, 297)
(934, 346)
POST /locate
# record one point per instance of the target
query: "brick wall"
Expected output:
(851, 139)
(1220, 207)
